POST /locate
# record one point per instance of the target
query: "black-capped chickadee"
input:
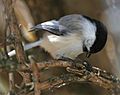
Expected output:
(71, 36)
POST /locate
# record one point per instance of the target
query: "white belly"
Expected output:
(65, 46)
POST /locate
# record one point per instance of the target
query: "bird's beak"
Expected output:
(88, 54)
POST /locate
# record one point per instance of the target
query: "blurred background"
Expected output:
(31, 12)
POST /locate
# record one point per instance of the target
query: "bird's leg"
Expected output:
(85, 62)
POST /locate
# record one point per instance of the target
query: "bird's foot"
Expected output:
(87, 65)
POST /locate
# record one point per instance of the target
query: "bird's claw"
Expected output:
(87, 66)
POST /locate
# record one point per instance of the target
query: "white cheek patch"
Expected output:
(89, 43)
(53, 38)
(89, 33)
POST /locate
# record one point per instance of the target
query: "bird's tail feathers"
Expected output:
(27, 47)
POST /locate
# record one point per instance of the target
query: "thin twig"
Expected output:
(36, 76)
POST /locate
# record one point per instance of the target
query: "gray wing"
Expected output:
(73, 22)
(52, 26)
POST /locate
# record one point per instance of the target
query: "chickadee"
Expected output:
(71, 36)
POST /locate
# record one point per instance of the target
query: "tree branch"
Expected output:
(15, 29)
(36, 76)
(77, 74)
